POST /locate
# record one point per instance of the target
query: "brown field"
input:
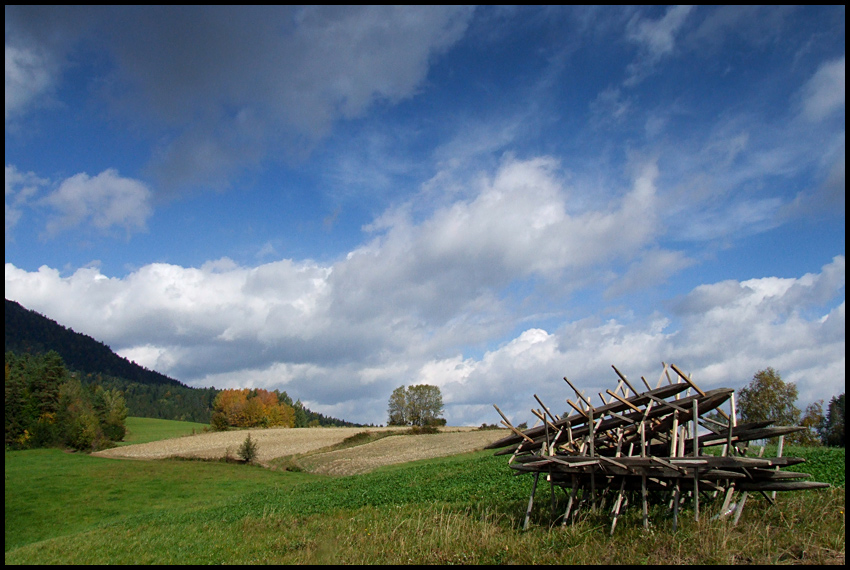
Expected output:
(396, 449)
(286, 442)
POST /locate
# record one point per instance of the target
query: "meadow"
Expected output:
(145, 430)
(71, 508)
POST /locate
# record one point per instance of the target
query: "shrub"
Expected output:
(421, 430)
(248, 450)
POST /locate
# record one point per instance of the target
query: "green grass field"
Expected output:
(143, 430)
(64, 508)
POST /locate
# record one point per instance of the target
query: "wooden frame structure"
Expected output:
(637, 442)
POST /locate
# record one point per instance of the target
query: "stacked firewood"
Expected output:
(655, 439)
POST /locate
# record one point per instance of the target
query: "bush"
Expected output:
(421, 430)
(219, 422)
(248, 450)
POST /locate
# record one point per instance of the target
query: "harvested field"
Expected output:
(396, 449)
(283, 442)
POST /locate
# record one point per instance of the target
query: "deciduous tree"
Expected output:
(419, 405)
(397, 408)
(768, 397)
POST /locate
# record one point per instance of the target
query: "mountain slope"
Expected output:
(30, 332)
(147, 392)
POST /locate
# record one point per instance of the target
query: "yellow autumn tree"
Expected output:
(251, 408)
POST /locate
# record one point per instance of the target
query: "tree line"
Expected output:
(247, 407)
(46, 406)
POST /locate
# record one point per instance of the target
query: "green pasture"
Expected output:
(144, 430)
(65, 508)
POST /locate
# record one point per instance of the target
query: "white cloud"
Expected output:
(342, 336)
(518, 225)
(652, 268)
(29, 74)
(223, 88)
(104, 201)
(728, 331)
(823, 95)
(21, 187)
(656, 39)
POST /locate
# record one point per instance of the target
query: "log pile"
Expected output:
(650, 442)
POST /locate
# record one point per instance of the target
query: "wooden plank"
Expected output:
(780, 485)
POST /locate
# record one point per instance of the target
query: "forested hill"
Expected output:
(30, 332)
(147, 392)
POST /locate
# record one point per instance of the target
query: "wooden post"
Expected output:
(573, 491)
(674, 433)
(696, 454)
(616, 510)
(740, 508)
(676, 494)
(778, 454)
(530, 501)
(727, 499)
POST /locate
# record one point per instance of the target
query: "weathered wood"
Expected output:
(530, 501)
(659, 431)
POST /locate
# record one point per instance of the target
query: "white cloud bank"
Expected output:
(399, 309)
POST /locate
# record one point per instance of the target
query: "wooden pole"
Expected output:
(661, 377)
(616, 510)
(530, 501)
(573, 492)
(623, 378)
(676, 495)
(696, 454)
(578, 394)
(778, 454)
(740, 508)
(546, 409)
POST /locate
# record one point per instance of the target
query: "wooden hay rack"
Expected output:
(646, 442)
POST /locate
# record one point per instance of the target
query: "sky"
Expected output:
(339, 201)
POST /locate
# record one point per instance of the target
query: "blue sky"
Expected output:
(339, 201)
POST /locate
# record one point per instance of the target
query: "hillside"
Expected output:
(147, 393)
(30, 332)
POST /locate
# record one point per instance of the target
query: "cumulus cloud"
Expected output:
(727, 332)
(341, 335)
(103, 201)
(520, 224)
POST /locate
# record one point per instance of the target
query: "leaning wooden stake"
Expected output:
(530, 501)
